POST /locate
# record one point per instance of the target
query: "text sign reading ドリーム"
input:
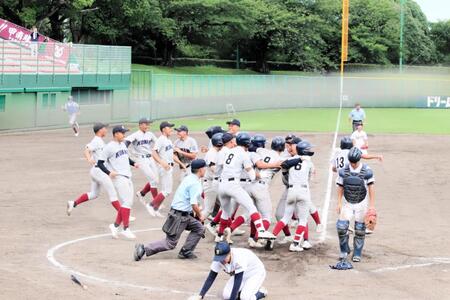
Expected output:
(438, 102)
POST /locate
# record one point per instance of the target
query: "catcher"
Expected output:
(356, 184)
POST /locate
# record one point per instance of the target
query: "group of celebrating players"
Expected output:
(238, 173)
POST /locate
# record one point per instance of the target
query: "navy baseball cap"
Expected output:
(119, 128)
(221, 251)
(98, 126)
(294, 140)
(182, 128)
(226, 137)
(165, 124)
(198, 164)
(234, 122)
(144, 121)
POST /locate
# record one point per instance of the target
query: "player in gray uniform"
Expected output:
(356, 184)
(73, 109)
(238, 160)
(116, 162)
(211, 179)
(300, 169)
(164, 157)
(141, 145)
(186, 148)
(92, 153)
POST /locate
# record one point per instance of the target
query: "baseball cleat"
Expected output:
(368, 231)
(114, 231)
(269, 245)
(227, 235)
(211, 229)
(267, 235)
(158, 214)
(306, 245)
(319, 228)
(139, 252)
(238, 232)
(295, 247)
(141, 198)
(77, 134)
(128, 234)
(286, 239)
(70, 207)
(263, 291)
(254, 244)
(219, 238)
(150, 209)
(356, 258)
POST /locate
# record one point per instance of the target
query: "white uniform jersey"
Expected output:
(141, 143)
(189, 145)
(116, 155)
(71, 107)
(236, 161)
(359, 138)
(285, 154)
(242, 260)
(96, 146)
(221, 157)
(211, 158)
(268, 156)
(340, 158)
(254, 158)
(301, 173)
(164, 147)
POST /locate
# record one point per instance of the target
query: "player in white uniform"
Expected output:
(73, 109)
(359, 138)
(141, 145)
(356, 184)
(298, 200)
(164, 157)
(238, 160)
(234, 127)
(92, 153)
(245, 268)
(116, 162)
(186, 148)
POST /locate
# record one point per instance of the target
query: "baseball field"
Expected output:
(407, 257)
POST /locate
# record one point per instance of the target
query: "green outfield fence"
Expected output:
(162, 96)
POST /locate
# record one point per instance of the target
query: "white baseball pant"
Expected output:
(125, 190)
(98, 180)
(251, 283)
(229, 190)
(358, 210)
(260, 193)
(165, 181)
(210, 189)
(148, 168)
(298, 200)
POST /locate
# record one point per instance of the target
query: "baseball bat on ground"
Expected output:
(74, 279)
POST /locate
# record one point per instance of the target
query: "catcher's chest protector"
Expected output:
(354, 186)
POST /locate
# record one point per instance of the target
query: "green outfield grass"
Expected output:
(379, 120)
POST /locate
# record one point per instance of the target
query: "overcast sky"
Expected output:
(435, 9)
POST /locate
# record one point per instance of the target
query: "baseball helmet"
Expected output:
(346, 143)
(259, 141)
(216, 140)
(277, 144)
(213, 130)
(354, 155)
(243, 139)
(304, 148)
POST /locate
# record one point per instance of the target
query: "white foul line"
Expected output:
(51, 258)
(434, 261)
(326, 203)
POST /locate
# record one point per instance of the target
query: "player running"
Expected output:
(245, 268)
(92, 153)
(164, 157)
(356, 184)
(141, 145)
(115, 162)
(73, 109)
(186, 148)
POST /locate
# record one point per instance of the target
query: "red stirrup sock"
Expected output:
(286, 231)
(216, 219)
(266, 224)
(316, 217)
(83, 198)
(278, 227)
(223, 225)
(145, 189)
(237, 222)
(154, 192)
(299, 233)
(256, 218)
(306, 233)
(116, 205)
(118, 218)
(252, 230)
(157, 201)
(125, 217)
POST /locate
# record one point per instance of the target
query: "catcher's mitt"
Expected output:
(371, 219)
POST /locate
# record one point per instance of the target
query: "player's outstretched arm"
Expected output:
(208, 283)
(236, 285)
(159, 160)
(372, 156)
(88, 155)
(178, 161)
(371, 196)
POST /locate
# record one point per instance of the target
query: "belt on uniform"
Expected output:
(245, 180)
(261, 182)
(146, 156)
(182, 213)
(356, 121)
(187, 166)
(170, 164)
(302, 185)
(210, 179)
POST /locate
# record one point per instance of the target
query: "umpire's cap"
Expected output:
(165, 124)
(221, 251)
(98, 126)
(119, 128)
(198, 164)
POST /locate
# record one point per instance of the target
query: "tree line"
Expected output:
(306, 33)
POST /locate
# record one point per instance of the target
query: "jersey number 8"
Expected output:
(230, 157)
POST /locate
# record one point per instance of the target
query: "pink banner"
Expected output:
(18, 34)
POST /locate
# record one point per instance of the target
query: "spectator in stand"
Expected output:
(34, 41)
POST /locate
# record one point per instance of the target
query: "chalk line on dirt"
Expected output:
(51, 258)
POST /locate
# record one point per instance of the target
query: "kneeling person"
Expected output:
(181, 217)
(245, 268)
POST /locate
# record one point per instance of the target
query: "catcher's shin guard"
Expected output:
(358, 240)
(342, 230)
